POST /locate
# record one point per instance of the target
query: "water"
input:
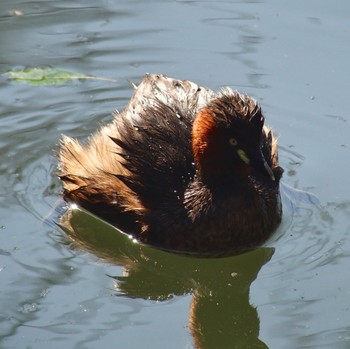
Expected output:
(102, 290)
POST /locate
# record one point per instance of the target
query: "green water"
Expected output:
(101, 289)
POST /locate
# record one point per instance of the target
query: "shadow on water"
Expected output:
(220, 312)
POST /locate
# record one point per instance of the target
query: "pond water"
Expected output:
(102, 290)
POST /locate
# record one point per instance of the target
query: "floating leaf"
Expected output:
(48, 76)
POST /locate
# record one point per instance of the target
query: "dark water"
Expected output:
(105, 291)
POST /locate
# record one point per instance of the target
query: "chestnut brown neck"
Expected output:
(208, 150)
(204, 138)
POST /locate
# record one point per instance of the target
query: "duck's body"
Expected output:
(181, 168)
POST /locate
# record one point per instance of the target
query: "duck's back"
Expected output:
(183, 95)
(142, 160)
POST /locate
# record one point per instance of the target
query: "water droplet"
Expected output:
(28, 308)
(44, 292)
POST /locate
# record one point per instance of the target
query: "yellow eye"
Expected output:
(233, 141)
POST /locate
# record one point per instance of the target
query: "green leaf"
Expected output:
(48, 76)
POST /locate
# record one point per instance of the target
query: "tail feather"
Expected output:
(89, 173)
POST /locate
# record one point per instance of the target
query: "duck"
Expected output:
(182, 168)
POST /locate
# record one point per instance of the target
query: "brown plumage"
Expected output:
(181, 168)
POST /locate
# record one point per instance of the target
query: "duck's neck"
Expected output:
(231, 205)
(206, 194)
(224, 180)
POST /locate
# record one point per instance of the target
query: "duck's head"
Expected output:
(227, 139)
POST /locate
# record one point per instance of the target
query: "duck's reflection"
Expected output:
(220, 315)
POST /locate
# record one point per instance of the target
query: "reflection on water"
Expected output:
(220, 311)
(293, 59)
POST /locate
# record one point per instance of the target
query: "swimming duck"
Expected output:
(181, 168)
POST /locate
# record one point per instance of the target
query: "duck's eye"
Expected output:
(233, 141)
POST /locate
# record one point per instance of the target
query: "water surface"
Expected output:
(104, 291)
